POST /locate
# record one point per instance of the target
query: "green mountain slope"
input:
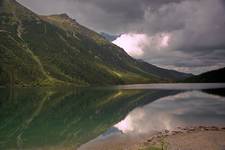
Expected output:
(46, 50)
(161, 72)
(211, 76)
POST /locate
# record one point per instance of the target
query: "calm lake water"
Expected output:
(58, 119)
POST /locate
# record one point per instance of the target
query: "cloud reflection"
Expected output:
(184, 109)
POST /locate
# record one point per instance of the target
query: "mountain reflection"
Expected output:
(64, 118)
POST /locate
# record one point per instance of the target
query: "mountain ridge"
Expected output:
(109, 37)
(56, 49)
(212, 76)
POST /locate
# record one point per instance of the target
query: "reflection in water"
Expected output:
(174, 86)
(64, 118)
(190, 108)
(67, 118)
(184, 109)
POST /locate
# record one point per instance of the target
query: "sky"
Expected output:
(185, 35)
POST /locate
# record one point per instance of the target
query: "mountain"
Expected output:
(163, 73)
(49, 50)
(109, 36)
(209, 77)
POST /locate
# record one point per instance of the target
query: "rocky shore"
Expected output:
(190, 138)
(182, 138)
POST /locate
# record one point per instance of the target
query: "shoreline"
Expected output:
(209, 137)
(181, 138)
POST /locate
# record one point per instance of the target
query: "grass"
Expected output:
(161, 145)
(46, 52)
(151, 148)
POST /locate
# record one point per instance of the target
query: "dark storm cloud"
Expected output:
(114, 16)
(197, 30)
(196, 27)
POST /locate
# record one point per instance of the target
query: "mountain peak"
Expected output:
(64, 15)
(61, 18)
(15, 8)
(51, 50)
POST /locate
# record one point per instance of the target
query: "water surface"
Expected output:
(68, 118)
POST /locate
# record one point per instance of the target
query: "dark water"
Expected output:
(69, 117)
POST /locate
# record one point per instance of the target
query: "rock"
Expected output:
(149, 140)
(166, 131)
(176, 132)
(191, 129)
(214, 128)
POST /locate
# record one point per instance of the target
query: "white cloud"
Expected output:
(182, 34)
(132, 43)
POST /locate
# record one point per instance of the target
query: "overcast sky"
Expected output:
(186, 35)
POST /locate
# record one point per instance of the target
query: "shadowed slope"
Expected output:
(48, 50)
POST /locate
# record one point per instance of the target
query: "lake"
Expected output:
(71, 118)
